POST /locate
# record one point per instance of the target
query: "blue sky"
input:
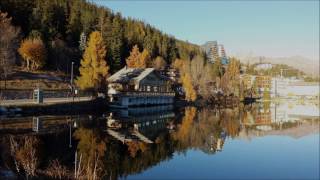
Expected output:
(277, 29)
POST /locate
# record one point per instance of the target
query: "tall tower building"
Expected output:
(222, 52)
(223, 56)
(213, 54)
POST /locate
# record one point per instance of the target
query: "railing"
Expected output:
(28, 94)
(147, 93)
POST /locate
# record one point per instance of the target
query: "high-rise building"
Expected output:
(213, 54)
(223, 56)
(216, 52)
(222, 51)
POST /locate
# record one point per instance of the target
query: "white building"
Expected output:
(263, 66)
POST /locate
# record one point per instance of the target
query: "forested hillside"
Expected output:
(64, 27)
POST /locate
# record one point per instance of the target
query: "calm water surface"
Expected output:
(261, 141)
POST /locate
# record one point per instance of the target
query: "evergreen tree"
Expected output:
(66, 19)
(94, 69)
(9, 43)
(117, 43)
(82, 42)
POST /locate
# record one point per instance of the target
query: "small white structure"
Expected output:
(263, 66)
(139, 87)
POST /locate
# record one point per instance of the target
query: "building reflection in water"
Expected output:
(139, 124)
(129, 141)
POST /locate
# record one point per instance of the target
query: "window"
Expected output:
(148, 88)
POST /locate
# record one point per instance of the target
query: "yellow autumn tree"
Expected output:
(94, 69)
(184, 68)
(178, 64)
(159, 63)
(190, 93)
(34, 52)
(135, 146)
(133, 59)
(137, 59)
(91, 149)
(231, 79)
(144, 59)
(186, 125)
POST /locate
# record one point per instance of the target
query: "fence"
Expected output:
(28, 94)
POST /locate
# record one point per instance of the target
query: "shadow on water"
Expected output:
(120, 143)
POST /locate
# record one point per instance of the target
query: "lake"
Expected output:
(258, 141)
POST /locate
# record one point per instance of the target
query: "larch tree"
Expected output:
(34, 52)
(8, 45)
(134, 57)
(144, 60)
(231, 78)
(190, 93)
(94, 69)
(217, 68)
(159, 63)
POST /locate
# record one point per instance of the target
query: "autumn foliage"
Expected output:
(135, 146)
(188, 87)
(34, 52)
(159, 63)
(137, 59)
(186, 80)
(94, 69)
(186, 125)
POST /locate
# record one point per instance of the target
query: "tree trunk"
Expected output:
(28, 64)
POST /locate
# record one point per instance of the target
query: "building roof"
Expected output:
(126, 75)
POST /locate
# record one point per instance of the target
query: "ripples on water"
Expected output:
(257, 141)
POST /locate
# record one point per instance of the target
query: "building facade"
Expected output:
(139, 87)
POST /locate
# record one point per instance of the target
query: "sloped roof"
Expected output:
(126, 75)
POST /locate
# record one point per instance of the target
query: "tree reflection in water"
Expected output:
(100, 156)
(25, 154)
(91, 148)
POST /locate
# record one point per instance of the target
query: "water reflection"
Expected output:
(122, 143)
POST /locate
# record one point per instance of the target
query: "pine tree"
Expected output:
(9, 44)
(82, 42)
(94, 69)
(116, 43)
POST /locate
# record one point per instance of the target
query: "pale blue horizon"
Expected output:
(272, 29)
